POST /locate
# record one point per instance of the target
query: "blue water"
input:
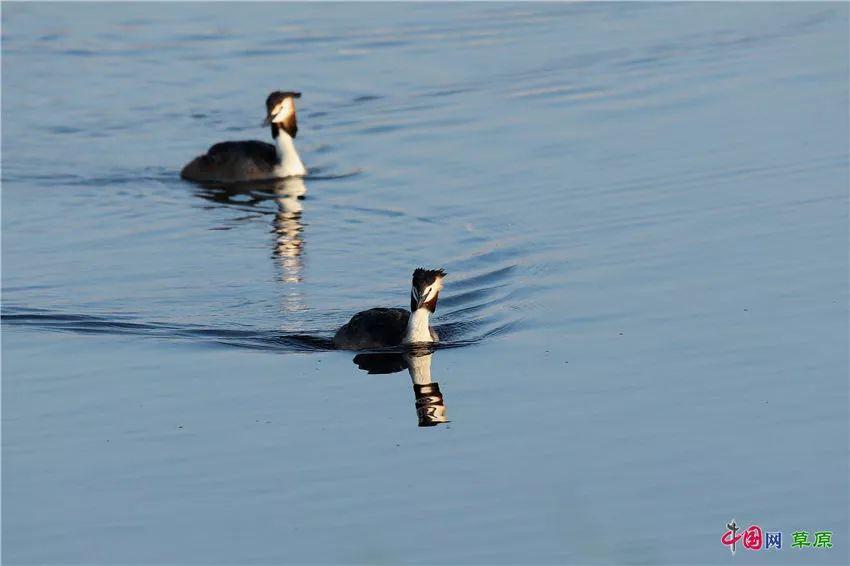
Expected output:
(643, 210)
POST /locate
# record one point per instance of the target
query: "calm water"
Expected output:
(643, 211)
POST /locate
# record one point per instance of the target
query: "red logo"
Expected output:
(752, 537)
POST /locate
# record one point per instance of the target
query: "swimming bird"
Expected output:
(382, 327)
(235, 161)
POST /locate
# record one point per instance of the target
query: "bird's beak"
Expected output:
(267, 122)
(424, 299)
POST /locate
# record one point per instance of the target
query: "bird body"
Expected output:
(388, 327)
(236, 161)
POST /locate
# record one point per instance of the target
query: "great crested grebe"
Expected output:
(381, 327)
(235, 161)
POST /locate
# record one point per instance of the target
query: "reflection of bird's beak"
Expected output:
(430, 407)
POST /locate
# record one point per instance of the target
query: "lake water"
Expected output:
(643, 210)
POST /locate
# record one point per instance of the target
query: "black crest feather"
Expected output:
(422, 277)
(277, 96)
(425, 277)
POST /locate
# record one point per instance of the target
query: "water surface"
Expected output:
(642, 209)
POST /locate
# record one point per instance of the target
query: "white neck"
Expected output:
(290, 164)
(417, 327)
(419, 368)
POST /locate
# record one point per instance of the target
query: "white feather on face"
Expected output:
(433, 289)
(429, 291)
(283, 110)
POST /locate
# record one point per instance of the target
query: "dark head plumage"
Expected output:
(279, 96)
(426, 288)
(424, 277)
(274, 105)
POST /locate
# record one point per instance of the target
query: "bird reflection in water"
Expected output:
(288, 228)
(428, 399)
(288, 240)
